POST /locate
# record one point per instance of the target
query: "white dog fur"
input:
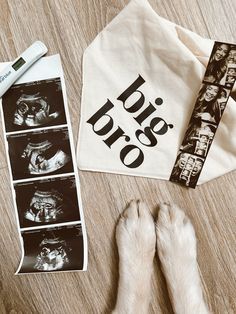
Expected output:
(137, 236)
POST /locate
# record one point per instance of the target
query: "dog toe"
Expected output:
(131, 210)
(143, 209)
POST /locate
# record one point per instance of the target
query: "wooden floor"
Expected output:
(68, 27)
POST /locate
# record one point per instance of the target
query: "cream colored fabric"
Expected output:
(172, 62)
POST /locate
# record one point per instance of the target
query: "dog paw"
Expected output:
(135, 236)
(176, 244)
(136, 241)
(176, 241)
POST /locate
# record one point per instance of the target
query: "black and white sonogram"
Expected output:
(187, 169)
(198, 137)
(47, 201)
(33, 105)
(40, 153)
(53, 249)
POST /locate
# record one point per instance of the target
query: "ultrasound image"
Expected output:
(34, 105)
(45, 183)
(40, 153)
(47, 201)
(53, 249)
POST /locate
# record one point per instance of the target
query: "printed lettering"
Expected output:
(98, 115)
(115, 136)
(128, 149)
(129, 91)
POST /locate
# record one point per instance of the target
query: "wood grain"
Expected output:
(68, 27)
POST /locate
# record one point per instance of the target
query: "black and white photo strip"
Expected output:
(207, 113)
(210, 103)
(40, 153)
(48, 201)
(53, 249)
(34, 105)
(221, 68)
(205, 118)
(200, 133)
(187, 169)
(198, 138)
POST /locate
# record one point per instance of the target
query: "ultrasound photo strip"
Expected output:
(44, 177)
(212, 99)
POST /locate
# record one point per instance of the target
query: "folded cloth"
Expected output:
(141, 78)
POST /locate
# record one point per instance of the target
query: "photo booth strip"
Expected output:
(212, 99)
(43, 171)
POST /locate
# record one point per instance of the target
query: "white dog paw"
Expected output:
(135, 236)
(176, 239)
(136, 240)
(176, 244)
